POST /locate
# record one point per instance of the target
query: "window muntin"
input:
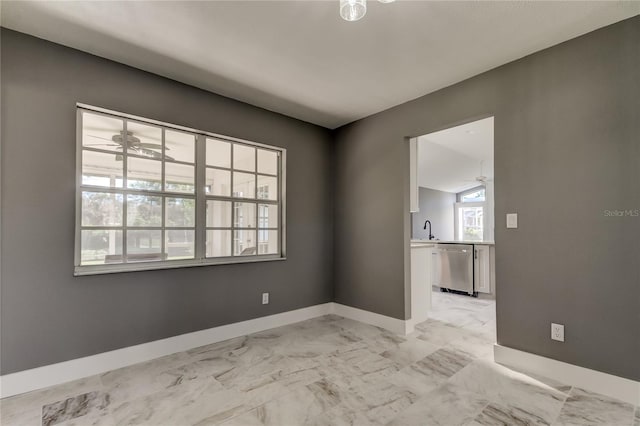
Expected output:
(139, 196)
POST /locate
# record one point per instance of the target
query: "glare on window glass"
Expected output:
(179, 178)
(267, 162)
(478, 195)
(218, 243)
(102, 169)
(101, 132)
(244, 157)
(179, 146)
(471, 223)
(218, 153)
(180, 244)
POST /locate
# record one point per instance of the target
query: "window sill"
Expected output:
(152, 266)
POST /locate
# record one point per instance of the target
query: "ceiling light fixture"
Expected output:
(353, 10)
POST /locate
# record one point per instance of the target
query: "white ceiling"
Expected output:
(450, 160)
(300, 59)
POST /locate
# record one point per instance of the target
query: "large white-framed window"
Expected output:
(153, 195)
(471, 223)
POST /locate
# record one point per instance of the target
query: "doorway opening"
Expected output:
(452, 224)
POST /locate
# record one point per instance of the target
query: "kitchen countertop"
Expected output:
(479, 243)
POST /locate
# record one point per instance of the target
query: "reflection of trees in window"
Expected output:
(144, 185)
(181, 212)
(143, 210)
(101, 208)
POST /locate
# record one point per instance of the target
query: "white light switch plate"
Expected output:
(265, 298)
(512, 220)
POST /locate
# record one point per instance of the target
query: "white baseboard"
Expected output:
(596, 381)
(54, 374)
(62, 372)
(388, 323)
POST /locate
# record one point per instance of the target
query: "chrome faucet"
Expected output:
(431, 236)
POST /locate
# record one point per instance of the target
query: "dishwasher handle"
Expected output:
(453, 250)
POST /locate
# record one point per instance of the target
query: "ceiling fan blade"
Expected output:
(148, 145)
(100, 137)
(102, 144)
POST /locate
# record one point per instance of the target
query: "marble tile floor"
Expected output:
(327, 371)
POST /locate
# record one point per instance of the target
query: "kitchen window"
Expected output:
(152, 195)
(470, 221)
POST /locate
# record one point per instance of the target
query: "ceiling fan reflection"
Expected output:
(134, 144)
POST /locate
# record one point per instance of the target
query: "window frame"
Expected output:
(200, 196)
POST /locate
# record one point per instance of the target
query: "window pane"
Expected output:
(244, 242)
(144, 210)
(267, 216)
(99, 131)
(144, 174)
(180, 244)
(478, 195)
(179, 146)
(100, 246)
(101, 209)
(102, 169)
(219, 214)
(244, 215)
(267, 242)
(267, 188)
(143, 139)
(218, 182)
(144, 245)
(244, 157)
(244, 185)
(267, 162)
(218, 153)
(180, 212)
(470, 222)
(179, 178)
(218, 243)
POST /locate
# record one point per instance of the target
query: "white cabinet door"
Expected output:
(420, 288)
(482, 269)
(435, 264)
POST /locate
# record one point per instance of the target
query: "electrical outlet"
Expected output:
(265, 298)
(557, 332)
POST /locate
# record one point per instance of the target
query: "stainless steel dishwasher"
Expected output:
(454, 267)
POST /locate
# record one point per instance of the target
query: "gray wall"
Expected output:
(567, 148)
(436, 206)
(50, 316)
